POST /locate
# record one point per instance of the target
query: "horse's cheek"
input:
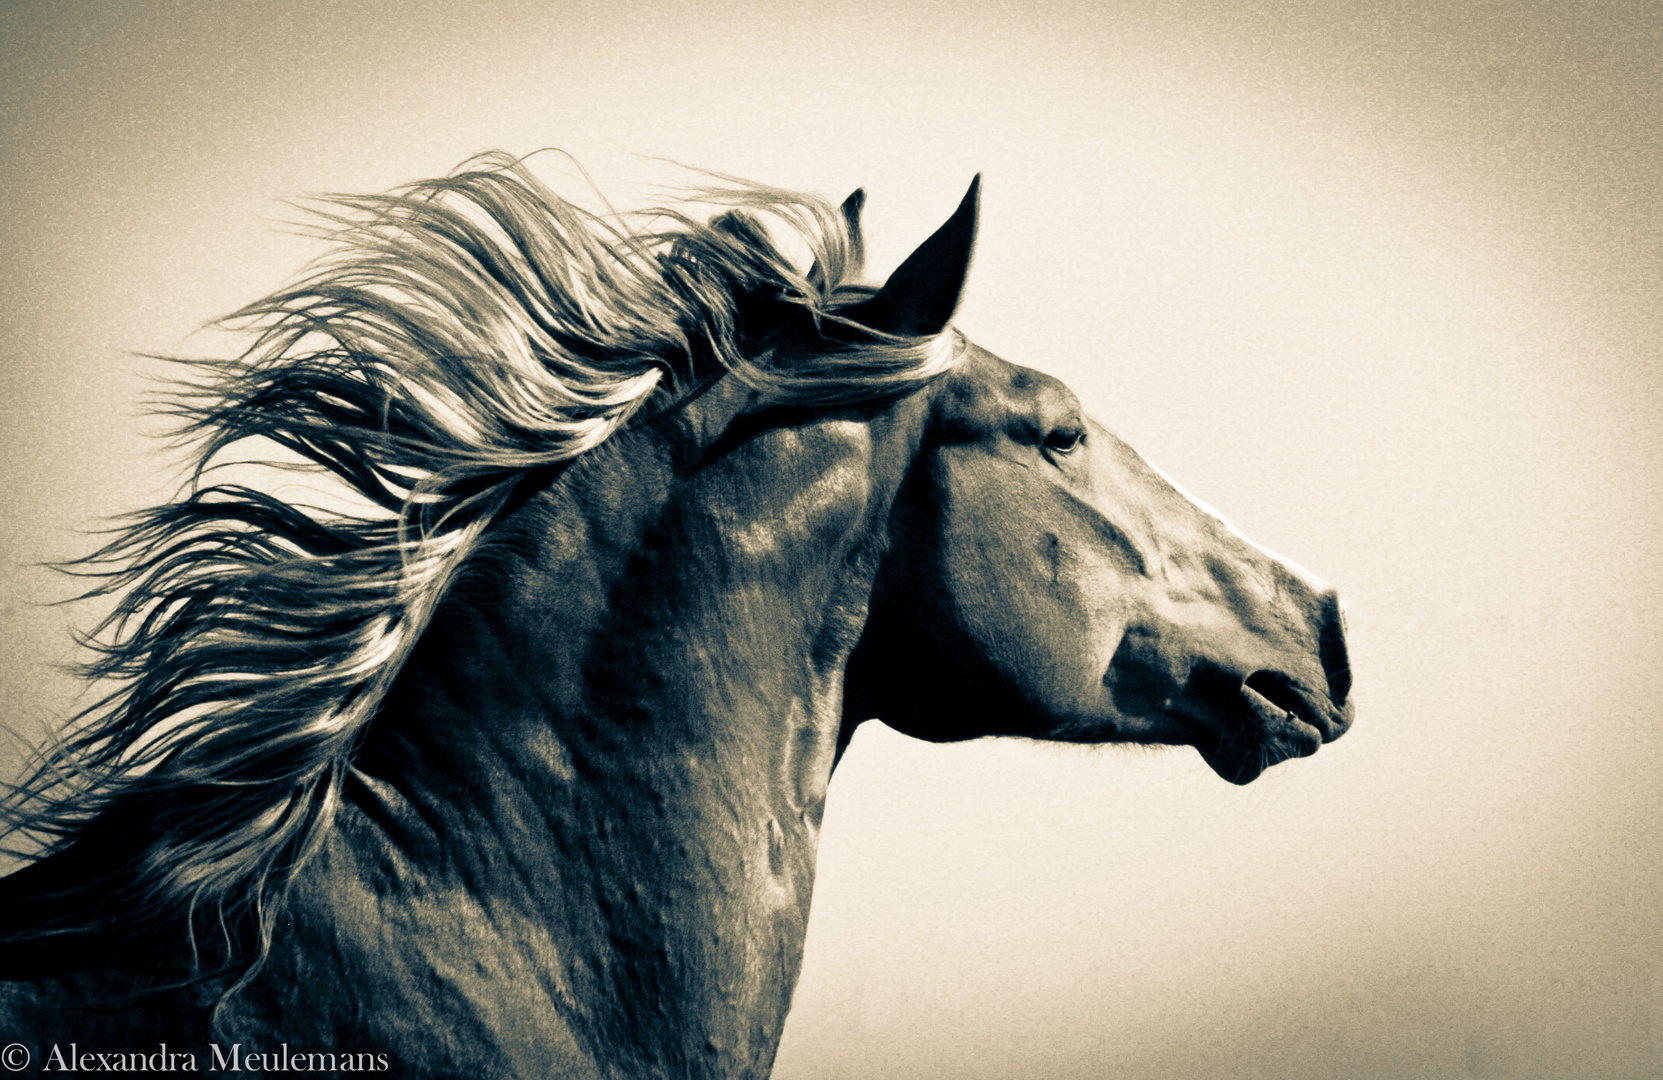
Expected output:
(1023, 593)
(1145, 671)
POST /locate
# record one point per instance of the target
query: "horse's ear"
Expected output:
(920, 296)
(857, 246)
(851, 217)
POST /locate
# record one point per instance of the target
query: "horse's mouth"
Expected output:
(1271, 719)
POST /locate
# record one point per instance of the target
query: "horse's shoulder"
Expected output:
(378, 951)
(106, 1010)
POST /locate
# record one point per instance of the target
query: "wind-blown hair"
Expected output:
(462, 336)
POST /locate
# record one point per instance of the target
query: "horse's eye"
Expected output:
(1065, 440)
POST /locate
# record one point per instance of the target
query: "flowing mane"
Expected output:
(464, 337)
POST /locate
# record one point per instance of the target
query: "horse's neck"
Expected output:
(613, 747)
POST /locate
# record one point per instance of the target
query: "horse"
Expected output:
(513, 763)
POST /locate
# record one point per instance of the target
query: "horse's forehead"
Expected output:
(987, 393)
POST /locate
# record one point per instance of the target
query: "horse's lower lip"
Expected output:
(1277, 723)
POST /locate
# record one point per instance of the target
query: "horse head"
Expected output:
(1044, 580)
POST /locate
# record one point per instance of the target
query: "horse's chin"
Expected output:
(1270, 722)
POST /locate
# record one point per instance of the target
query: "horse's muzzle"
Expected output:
(1284, 717)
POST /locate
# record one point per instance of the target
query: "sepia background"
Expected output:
(1383, 287)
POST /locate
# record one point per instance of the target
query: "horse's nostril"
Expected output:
(1277, 689)
(1336, 662)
